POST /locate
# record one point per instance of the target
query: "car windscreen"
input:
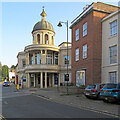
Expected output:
(110, 86)
(91, 87)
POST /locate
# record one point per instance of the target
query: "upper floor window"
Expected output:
(38, 58)
(113, 77)
(23, 63)
(49, 57)
(31, 59)
(77, 54)
(46, 39)
(85, 51)
(77, 34)
(85, 29)
(113, 28)
(56, 59)
(38, 38)
(52, 40)
(113, 54)
(65, 60)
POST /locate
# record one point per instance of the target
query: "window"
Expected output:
(77, 34)
(38, 58)
(52, 40)
(49, 57)
(85, 51)
(31, 59)
(113, 28)
(56, 59)
(80, 78)
(113, 77)
(65, 60)
(38, 38)
(85, 29)
(77, 54)
(113, 54)
(66, 77)
(46, 39)
(23, 62)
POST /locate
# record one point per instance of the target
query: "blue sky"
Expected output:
(19, 18)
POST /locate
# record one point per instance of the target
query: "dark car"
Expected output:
(93, 91)
(6, 84)
(110, 92)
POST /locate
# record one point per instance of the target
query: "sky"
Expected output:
(18, 19)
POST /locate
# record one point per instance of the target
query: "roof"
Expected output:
(99, 6)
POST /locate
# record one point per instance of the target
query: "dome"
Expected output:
(43, 24)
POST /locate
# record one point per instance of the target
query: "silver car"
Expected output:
(93, 91)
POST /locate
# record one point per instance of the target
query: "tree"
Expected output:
(5, 72)
(13, 66)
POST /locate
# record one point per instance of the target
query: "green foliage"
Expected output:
(13, 66)
(5, 72)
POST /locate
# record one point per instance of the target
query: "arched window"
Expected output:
(52, 40)
(38, 38)
(46, 39)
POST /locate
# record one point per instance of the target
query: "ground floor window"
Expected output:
(80, 78)
(66, 77)
(113, 77)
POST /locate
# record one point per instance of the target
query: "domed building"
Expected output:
(43, 64)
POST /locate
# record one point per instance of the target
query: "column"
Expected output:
(41, 81)
(45, 56)
(45, 79)
(34, 81)
(53, 58)
(28, 79)
(52, 79)
(59, 80)
(28, 59)
(49, 80)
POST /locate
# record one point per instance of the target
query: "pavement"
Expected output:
(75, 100)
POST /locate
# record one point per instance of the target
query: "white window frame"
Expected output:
(113, 56)
(113, 77)
(113, 28)
(85, 29)
(77, 34)
(79, 75)
(77, 54)
(85, 51)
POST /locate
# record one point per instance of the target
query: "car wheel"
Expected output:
(105, 100)
(87, 96)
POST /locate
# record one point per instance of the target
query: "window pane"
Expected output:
(113, 54)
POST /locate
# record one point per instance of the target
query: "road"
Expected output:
(15, 105)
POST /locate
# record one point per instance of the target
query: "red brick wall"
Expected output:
(94, 44)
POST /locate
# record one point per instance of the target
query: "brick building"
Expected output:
(87, 43)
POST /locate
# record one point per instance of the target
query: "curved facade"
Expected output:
(43, 67)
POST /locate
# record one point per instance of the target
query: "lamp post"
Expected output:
(60, 25)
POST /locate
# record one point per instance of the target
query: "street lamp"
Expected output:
(60, 25)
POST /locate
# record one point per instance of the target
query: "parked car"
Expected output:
(93, 91)
(6, 84)
(110, 92)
